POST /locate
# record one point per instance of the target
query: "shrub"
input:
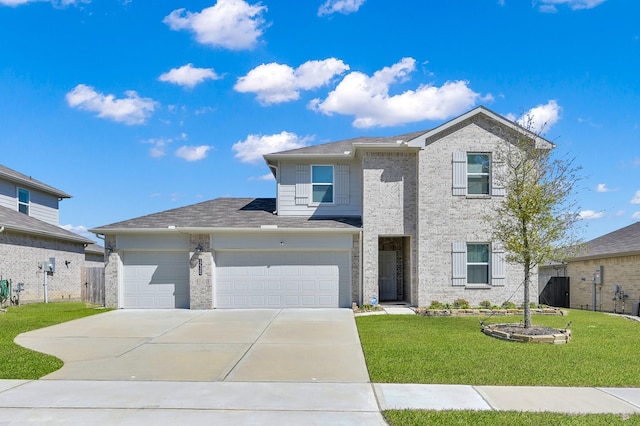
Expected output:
(485, 304)
(435, 304)
(509, 305)
(461, 304)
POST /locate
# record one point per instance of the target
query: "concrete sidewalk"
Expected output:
(268, 403)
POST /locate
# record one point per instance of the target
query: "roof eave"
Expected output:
(541, 143)
(209, 230)
(604, 256)
(79, 239)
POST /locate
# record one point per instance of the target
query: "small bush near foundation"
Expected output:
(461, 304)
(366, 308)
(435, 304)
(485, 304)
(509, 305)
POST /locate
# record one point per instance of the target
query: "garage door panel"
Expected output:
(284, 279)
(156, 280)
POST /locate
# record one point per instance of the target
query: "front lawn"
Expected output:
(22, 363)
(506, 418)
(441, 350)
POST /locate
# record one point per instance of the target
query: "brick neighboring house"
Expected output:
(30, 236)
(618, 255)
(389, 219)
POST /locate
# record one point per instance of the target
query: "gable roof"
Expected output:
(12, 220)
(345, 147)
(227, 213)
(20, 179)
(624, 241)
(540, 142)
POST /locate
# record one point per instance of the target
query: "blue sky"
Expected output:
(135, 107)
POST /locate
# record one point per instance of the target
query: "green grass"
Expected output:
(21, 363)
(417, 349)
(506, 418)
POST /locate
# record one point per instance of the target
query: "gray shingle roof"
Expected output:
(624, 240)
(229, 213)
(19, 222)
(339, 147)
(28, 181)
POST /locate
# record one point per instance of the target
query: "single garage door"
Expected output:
(156, 279)
(282, 280)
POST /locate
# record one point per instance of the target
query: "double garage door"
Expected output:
(244, 279)
(253, 279)
(156, 279)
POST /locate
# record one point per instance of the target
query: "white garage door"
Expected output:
(156, 280)
(282, 280)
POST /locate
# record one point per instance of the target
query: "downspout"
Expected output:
(361, 271)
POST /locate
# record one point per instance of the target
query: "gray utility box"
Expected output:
(635, 307)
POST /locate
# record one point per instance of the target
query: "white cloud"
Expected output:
(254, 147)
(636, 215)
(131, 110)
(63, 3)
(232, 24)
(636, 198)
(80, 230)
(367, 98)
(602, 187)
(590, 214)
(339, 6)
(189, 76)
(159, 148)
(193, 153)
(539, 119)
(275, 83)
(550, 6)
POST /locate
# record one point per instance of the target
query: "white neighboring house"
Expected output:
(32, 244)
(372, 219)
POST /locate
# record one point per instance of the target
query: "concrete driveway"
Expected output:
(290, 345)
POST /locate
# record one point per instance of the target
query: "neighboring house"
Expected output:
(372, 219)
(608, 272)
(33, 245)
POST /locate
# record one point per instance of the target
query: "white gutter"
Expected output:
(196, 230)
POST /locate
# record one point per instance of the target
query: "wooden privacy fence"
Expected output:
(92, 286)
(556, 292)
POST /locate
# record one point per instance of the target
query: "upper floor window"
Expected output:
(23, 201)
(478, 167)
(477, 263)
(322, 184)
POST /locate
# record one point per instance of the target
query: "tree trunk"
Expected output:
(527, 308)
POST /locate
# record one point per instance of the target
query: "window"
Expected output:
(477, 263)
(478, 167)
(322, 184)
(23, 201)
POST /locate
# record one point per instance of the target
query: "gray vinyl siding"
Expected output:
(42, 206)
(294, 190)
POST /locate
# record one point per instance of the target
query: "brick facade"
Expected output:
(200, 272)
(623, 271)
(20, 254)
(389, 209)
(445, 218)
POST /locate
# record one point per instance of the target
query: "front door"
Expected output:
(387, 275)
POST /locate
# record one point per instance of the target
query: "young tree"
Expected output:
(538, 213)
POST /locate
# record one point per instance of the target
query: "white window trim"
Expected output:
(488, 174)
(333, 185)
(20, 203)
(496, 264)
(487, 264)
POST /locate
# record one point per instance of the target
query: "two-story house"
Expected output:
(34, 249)
(390, 219)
